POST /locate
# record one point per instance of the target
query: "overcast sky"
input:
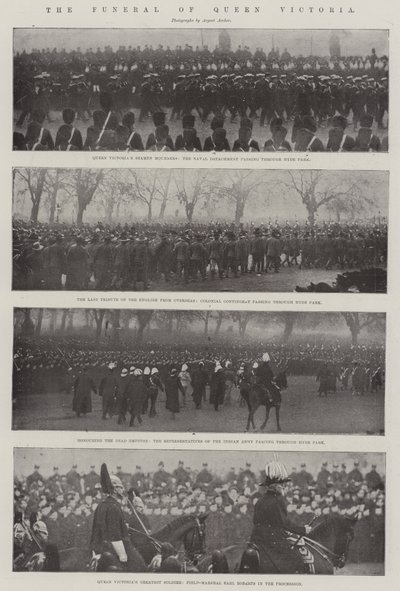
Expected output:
(221, 461)
(297, 42)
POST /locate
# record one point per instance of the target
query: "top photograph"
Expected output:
(211, 90)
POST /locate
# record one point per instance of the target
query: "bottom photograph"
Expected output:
(170, 511)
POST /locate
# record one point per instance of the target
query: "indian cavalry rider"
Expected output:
(32, 550)
(276, 543)
(110, 543)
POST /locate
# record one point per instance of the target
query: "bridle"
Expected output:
(198, 532)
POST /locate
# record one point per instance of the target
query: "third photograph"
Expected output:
(199, 371)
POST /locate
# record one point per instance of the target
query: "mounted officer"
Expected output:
(110, 543)
(273, 548)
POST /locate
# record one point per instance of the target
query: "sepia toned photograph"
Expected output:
(199, 371)
(200, 230)
(192, 90)
(163, 511)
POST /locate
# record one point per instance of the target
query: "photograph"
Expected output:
(192, 90)
(204, 229)
(199, 371)
(163, 511)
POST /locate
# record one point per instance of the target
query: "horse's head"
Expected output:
(194, 539)
(335, 533)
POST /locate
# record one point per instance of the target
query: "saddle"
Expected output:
(273, 550)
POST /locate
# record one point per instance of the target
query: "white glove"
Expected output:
(120, 550)
(308, 528)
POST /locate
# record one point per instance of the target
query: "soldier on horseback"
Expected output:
(272, 547)
(32, 551)
(110, 543)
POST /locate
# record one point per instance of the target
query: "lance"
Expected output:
(63, 356)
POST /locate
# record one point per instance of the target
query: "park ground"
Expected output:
(302, 411)
(285, 281)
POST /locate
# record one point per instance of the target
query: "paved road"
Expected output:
(302, 412)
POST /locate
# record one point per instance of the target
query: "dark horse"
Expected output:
(256, 395)
(187, 531)
(324, 550)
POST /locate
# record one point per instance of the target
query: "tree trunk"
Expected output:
(79, 215)
(53, 321)
(99, 317)
(71, 319)
(116, 315)
(35, 210)
(27, 327)
(239, 211)
(165, 197)
(144, 317)
(39, 322)
(219, 322)
(206, 322)
(64, 320)
(149, 211)
(290, 320)
(53, 197)
(311, 216)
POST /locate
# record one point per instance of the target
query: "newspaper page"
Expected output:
(200, 294)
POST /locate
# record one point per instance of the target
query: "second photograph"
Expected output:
(200, 230)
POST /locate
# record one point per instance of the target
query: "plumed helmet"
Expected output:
(132, 369)
(154, 371)
(124, 372)
(266, 357)
(40, 527)
(255, 365)
(137, 372)
(146, 371)
(115, 481)
(275, 472)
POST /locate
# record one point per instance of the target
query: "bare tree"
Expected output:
(54, 182)
(242, 319)
(191, 186)
(98, 317)
(143, 317)
(316, 192)
(164, 194)
(34, 179)
(240, 185)
(27, 326)
(357, 321)
(83, 184)
(144, 187)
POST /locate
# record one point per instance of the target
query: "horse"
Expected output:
(276, 551)
(186, 530)
(256, 395)
(371, 280)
